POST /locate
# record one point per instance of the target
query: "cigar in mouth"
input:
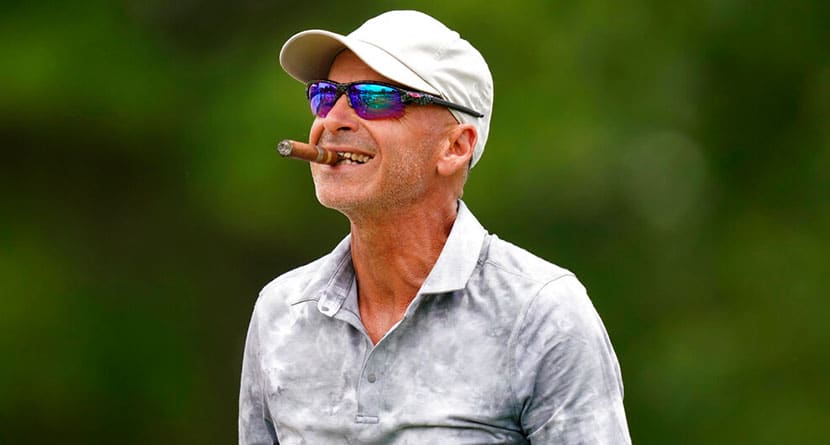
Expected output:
(307, 152)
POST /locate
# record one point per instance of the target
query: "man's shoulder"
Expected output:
(508, 258)
(552, 301)
(297, 279)
(305, 282)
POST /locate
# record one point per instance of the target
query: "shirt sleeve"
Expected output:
(568, 380)
(255, 425)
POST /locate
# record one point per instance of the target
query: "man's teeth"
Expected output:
(353, 158)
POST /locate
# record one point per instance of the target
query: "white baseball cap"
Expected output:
(410, 48)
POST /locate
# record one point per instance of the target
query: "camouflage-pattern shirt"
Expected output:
(498, 347)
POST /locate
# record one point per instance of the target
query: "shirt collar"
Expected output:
(451, 271)
(336, 278)
(459, 256)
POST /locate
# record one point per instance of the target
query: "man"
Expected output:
(420, 327)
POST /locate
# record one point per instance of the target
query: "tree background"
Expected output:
(673, 154)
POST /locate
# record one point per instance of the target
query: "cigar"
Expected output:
(307, 152)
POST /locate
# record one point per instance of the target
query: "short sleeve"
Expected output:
(255, 425)
(567, 378)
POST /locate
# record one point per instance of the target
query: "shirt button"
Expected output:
(372, 377)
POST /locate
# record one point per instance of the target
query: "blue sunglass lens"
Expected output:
(322, 97)
(373, 101)
(369, 100)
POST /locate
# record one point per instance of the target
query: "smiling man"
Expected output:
(419, 327)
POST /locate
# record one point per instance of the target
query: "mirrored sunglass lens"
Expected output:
(321, 97)
(376, 101)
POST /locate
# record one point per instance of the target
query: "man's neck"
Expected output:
(392, 257)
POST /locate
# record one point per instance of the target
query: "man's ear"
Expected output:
(459, 151)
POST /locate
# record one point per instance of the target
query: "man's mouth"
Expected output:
(353, 158)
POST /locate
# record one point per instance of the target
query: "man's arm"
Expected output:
(255, 425)
(568, 379)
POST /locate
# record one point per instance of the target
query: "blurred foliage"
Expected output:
(674, 155)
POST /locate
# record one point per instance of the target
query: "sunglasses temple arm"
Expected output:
(461, 108)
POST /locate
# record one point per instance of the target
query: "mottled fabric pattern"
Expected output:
(498, 347)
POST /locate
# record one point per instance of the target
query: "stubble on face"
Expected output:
(405, 152)
(401, 179)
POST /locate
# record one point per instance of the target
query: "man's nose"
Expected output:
(341, 117)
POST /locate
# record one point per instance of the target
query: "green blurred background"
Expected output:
(675, 155)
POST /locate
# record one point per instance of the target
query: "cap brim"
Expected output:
(308, 55)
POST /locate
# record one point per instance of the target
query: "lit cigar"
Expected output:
(307, 152)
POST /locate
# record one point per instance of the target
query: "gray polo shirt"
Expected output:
(498, 347)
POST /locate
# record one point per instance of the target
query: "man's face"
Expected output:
(401, 173)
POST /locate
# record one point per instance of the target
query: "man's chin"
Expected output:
(338, 201)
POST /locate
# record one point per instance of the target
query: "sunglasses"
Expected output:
(372, 100)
